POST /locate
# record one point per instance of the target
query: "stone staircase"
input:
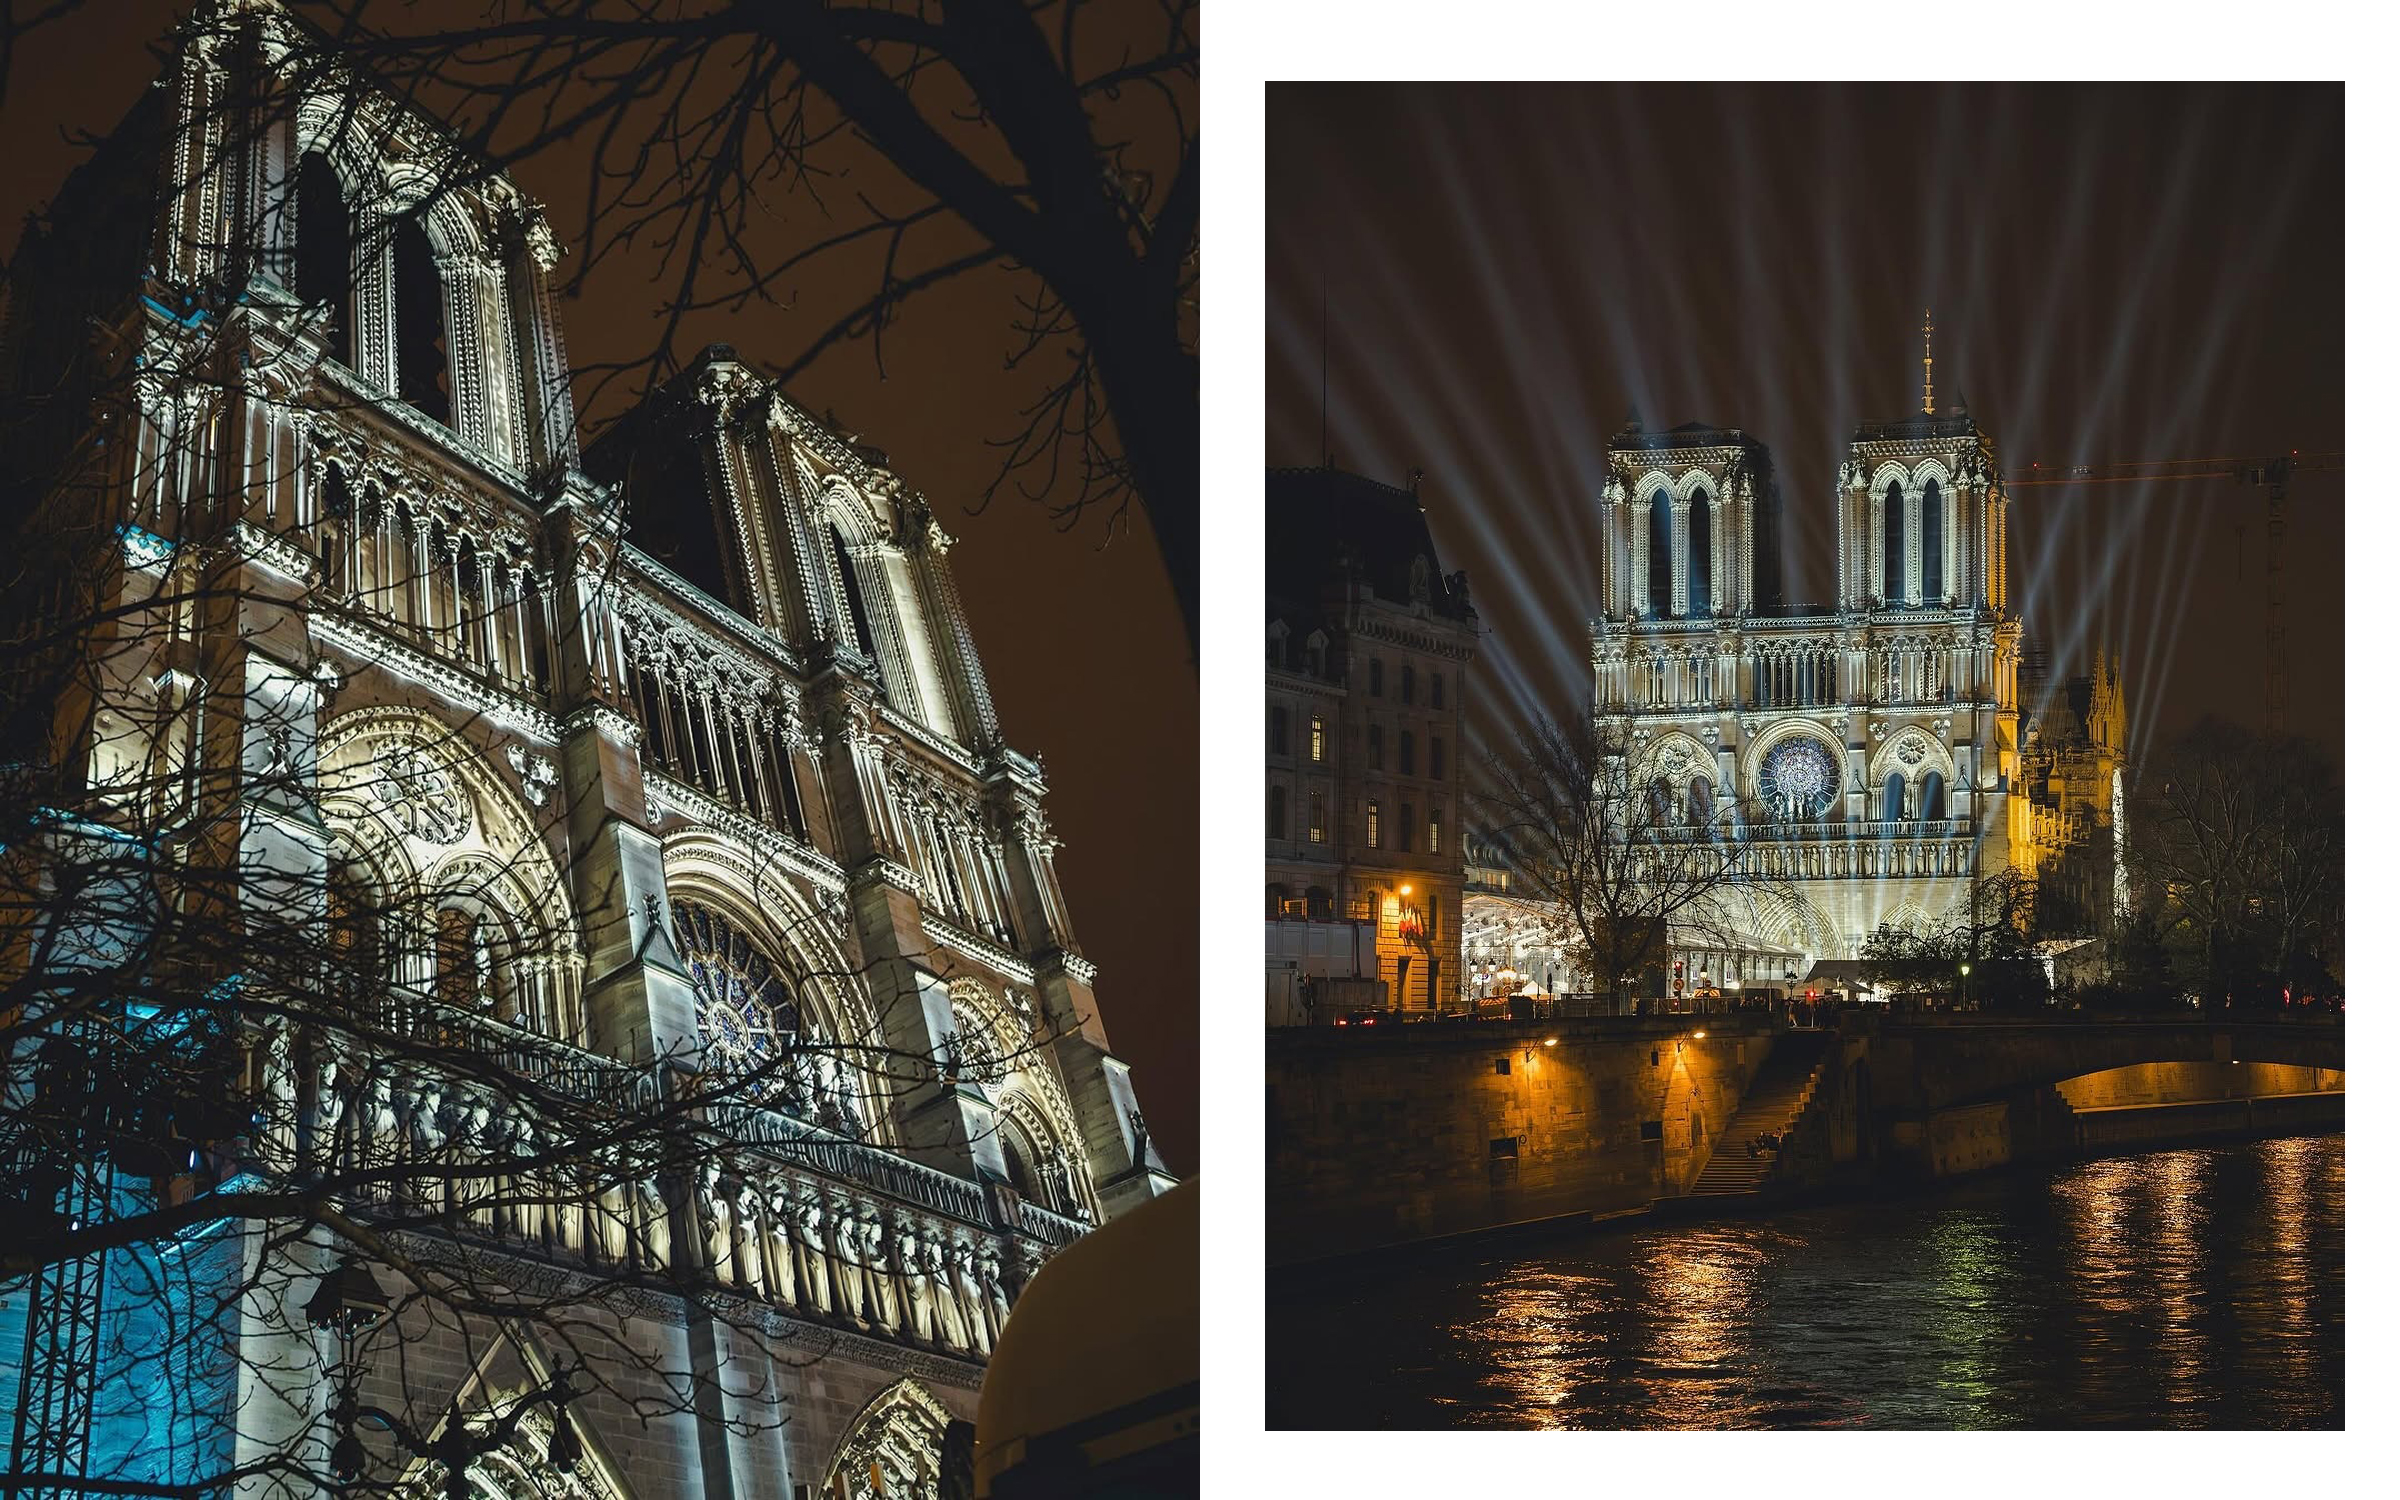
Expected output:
(1774, 1100)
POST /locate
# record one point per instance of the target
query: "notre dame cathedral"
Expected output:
(618, 770)
(1886, 751)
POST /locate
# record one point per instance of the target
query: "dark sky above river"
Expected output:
(2116, 273)
(1083, 647)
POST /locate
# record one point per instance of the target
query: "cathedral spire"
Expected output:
(1929, 361)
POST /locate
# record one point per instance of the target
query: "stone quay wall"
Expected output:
(1379, 1136)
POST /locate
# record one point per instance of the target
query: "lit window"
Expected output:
(1316, 817)
(1316, 738)
(1433, 829)
(1374, 824)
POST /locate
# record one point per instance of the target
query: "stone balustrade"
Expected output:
(758, 1208)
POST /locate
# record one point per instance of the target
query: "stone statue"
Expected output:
(815, 1291)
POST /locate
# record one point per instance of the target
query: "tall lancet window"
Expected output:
(1895, 545)
(1931, 581)
(1662, 555)
(1696, 587)
(420, 335)
(322, 268)
(854, 598)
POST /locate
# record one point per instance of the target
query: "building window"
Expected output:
(1437, 690)
(1408, 753)
(1275, 812)
(1374, 676)
(1279, 732)
(1929, 582)
(1499, 1064)
(1697, 602)
(1316, 817)
(1408, 683)
(1433, 829)
(1662, 555)
(422, 337)
(1895, 544)
(1433, 757)
(1408, 827)
(322, 268)
(1316, 656)
(1374, 747)
(1374, 824)
(1316, 738)
(1504, 1148)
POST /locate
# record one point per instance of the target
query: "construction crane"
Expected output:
(2272, 474)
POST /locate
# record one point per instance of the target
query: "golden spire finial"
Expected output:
(1929, 361)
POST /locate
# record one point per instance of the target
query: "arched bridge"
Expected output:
(1935, 1062)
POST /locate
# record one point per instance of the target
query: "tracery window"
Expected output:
(322, 268)
(1662, 554)
(1930, 540)
(1895, 545)
(750, 1025)
(421, 334)
(1696, 595)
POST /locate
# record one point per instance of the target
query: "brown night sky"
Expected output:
(1083, 644)
(2116, 272)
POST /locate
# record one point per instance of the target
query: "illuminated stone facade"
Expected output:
(1370, 651)
(604, 813)
(1869, 750)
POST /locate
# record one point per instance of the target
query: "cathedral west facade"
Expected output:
(674, 759)
(1871, 751)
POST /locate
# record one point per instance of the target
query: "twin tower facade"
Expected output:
(1867, 748)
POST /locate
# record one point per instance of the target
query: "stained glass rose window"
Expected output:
(746, 1014)
(1798, 779)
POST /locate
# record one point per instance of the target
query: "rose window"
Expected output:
(1798, 779)
(747, 1017)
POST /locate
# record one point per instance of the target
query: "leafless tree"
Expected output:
(1631, 864)
(227, 1071)
(1058, 140)
(2236, 856)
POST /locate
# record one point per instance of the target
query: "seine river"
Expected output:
(2198, 1288)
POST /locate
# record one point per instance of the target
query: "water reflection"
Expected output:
(2186, 1288)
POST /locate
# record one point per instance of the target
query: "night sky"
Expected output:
(1084, 648)
(2116, 273)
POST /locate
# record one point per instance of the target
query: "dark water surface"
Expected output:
(2197, 1288)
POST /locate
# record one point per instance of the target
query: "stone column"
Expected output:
(638, 1002)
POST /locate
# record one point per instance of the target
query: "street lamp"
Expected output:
(350, 1300)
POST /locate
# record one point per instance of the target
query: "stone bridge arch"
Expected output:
(1949, 1062)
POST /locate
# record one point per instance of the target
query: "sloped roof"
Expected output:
(1321, 522)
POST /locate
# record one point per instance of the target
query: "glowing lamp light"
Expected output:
(1550, 1041)
(1699, 1035)
(1404, 890)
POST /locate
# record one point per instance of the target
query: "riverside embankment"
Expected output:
(1419, 1132)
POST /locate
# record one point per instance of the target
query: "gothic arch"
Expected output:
(1893, 755)
(893, 1448)
(1658, 760)
(1769, 735)
(812, 958)
(1026, 1092)
(413, 794)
